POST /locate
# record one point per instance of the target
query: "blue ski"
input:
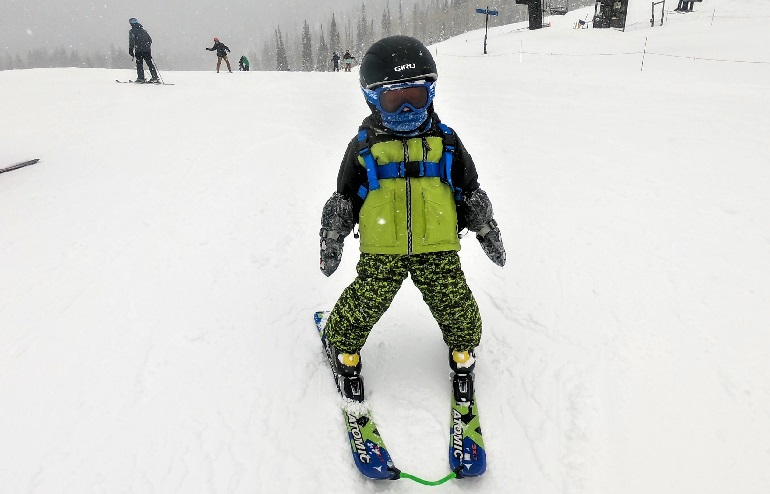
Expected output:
(467, 456)
(368, 449)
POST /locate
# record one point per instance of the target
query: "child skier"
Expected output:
(243, 63)
(409, 183)
(222, 51)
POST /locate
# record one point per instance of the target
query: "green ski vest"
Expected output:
(413, 213)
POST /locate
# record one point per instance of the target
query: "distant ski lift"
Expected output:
(557, 8)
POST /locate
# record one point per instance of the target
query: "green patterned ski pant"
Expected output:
(439, 278)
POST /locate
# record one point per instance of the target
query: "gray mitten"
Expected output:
(492, 244)
(336, 223)
(480, 220)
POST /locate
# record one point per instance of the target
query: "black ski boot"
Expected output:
(347, 368)
(462, 364)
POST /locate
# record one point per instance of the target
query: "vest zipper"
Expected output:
(408, 202)
(409, 216)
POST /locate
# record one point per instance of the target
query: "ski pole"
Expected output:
(157, 70)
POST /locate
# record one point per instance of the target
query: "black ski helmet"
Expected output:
(396, 59)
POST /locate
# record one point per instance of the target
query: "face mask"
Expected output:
(406, 121)
(403, 107)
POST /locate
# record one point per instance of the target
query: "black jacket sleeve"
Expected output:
(351, 177)
(464, 173)
(465, 177)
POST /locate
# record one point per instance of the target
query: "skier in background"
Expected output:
(139, 47)
(222, 51)
(243, 63)
(348, 59)
(336, 61)
(401, 152)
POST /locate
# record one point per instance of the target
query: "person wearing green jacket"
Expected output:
(409, 183)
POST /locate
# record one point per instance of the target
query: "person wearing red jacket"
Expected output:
(222, 51)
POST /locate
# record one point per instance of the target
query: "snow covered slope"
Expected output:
(159, 270)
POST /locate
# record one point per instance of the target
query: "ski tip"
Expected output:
(470, 466)
(379, 472)
(462, 472)
(320, 315)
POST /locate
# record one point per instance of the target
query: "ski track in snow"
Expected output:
(159, 272)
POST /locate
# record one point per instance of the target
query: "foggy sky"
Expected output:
(176, 26)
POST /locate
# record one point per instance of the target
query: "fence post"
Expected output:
(652, 18)
(662, 12)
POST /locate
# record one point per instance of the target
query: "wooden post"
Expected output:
(486, 29)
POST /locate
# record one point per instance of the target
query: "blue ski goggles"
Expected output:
(392, 99)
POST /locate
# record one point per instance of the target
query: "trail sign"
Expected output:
(486, 13)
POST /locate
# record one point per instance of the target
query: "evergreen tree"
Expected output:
(254, 61)
(362, 32)
(75, 59)
(307, 49)
(281, 61)
(464, 16)
(293, 51)
(37, 58)
(442, 32)
(59, 57)
(116, 58)
(334, 37)
(322, 62)
(386, 23)
(348, 36)
(372, 36)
